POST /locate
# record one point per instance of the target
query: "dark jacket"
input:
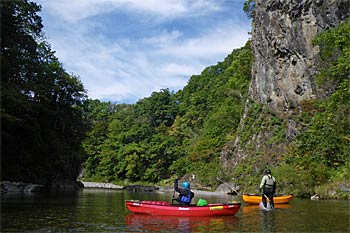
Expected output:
(185, 195)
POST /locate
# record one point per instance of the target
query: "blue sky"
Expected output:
(123, 50)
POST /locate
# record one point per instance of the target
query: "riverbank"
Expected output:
(336, 191)
(22, 187)
(223, 189)
(148, 188)
(15, 187)
(101, 185)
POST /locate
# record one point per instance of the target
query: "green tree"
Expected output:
(41, 105)
(248, 8)
(97, 115)
(334, 47)
(170, 134)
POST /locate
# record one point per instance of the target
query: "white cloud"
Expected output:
(213, 43)
(75, 10)
(175, 69)
(125, 68)
(162, 39)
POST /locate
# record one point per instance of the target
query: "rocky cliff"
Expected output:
(284, 55)
(282, 75)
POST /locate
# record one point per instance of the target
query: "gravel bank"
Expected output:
(101, 185)
(161, 189)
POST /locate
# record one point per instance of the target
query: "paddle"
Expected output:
(268, 200)
(238, 193)
(172, 200)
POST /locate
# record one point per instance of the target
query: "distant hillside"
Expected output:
(170, 134)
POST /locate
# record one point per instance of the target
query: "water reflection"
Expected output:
(267, 221)
(258, 220)
(105, 211)
(151, 223)
(253, 208)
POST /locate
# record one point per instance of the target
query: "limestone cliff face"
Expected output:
(284, 64)
(283, 70)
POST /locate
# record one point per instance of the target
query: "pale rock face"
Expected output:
(284, 66)
(284, 57)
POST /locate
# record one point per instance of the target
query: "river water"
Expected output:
(93, 210)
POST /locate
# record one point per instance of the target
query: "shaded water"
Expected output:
(92, 210)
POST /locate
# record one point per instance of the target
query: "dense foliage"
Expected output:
(42, 125)
(168, 133)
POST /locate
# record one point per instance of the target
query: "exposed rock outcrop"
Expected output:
(141, 188)
(15, 187)
(284, 57)
(101, 185)
(10, 187)
(283, 70)
(228, 188)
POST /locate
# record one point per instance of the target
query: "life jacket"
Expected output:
(186, 198)
(269, 182)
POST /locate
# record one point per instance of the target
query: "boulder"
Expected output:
(8, 187)
(141, 188)
(227, 187)
(100, 185)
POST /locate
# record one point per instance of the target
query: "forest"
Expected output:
(42, 120)
(170, 134)
(52, 131)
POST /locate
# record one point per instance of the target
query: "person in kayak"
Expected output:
(268, 188)
(185, 194)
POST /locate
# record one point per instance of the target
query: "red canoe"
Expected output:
(165, 208)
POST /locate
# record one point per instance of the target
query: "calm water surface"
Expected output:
(92, 210)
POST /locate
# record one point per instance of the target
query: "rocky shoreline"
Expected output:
(222, 190)
(22, 187)
(16, 187)
(149, 188)
(101, 185)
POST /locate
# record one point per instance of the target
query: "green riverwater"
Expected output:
(92, 210)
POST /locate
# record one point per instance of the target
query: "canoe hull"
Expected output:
(255, 199)
(142, 207)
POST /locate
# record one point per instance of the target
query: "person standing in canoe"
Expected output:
(268, 188)
(185, 194)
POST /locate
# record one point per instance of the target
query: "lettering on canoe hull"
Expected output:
(216, 207)
(184, 208)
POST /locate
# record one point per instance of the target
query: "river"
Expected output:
(96, 210)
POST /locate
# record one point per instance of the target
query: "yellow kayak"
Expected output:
(255, 199)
